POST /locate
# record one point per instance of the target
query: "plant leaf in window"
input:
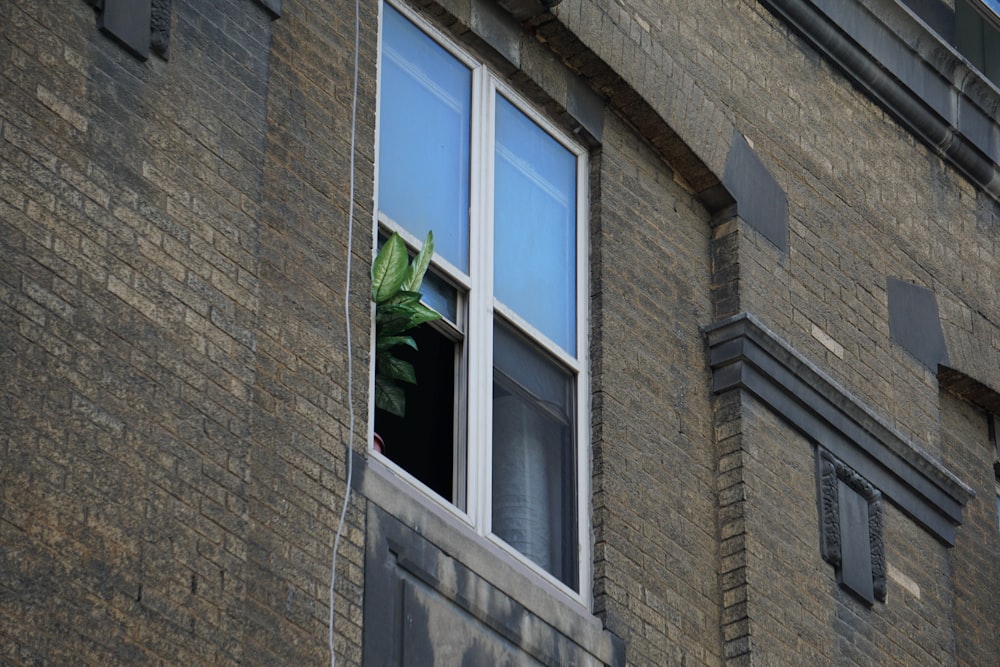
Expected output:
(396, 318)
(389, 396)
(419, 266)
(396, 293)
(389, 269)
(398, 369)
(384, 344)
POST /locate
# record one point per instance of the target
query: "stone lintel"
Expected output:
(746, 356)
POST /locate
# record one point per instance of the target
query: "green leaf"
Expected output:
(397, 369)
(404, 297)
(396, 292)
(391, 311)
(385, 343)
(396, 319)
(389, 397)
(390, 269)
(415, 275)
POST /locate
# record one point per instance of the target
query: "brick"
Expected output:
(172, 330)
(62, 109)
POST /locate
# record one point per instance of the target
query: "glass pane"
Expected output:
(993, 6)
(534, 467)
(535, 225)
(424, 138)
(440, 296)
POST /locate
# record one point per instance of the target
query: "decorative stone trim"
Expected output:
(525, 10)
(421, 557)
(143, 26)
(127, 22)
(746, 356)
(913, 73)
(830, 472)
(159, 24)
(915, 324)
(273, 7)
(760, 201)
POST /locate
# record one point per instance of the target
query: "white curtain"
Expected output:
(523, 478)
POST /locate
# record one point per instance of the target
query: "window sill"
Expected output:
(452, 539)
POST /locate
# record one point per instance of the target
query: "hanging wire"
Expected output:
(347, 320)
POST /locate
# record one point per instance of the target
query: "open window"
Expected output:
(496, 424)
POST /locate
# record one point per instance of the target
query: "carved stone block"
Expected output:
(851, 528)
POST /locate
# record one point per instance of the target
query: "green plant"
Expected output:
(396, 293)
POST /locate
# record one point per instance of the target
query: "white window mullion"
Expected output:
(480, 304)
(460, 446)
(489, 145)
(582, 435)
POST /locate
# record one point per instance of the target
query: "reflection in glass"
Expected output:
(424, 134)
(440, 295)
(535, 225)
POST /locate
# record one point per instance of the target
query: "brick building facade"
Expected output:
(747, 352)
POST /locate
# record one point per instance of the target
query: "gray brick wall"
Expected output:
(301, 411)
(173, 265)
(655, 541)
(131, 211)
(975, 561)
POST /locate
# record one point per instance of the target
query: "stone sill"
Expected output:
(456, 539)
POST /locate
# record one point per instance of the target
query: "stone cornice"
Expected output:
(745, 355)
(913, 73)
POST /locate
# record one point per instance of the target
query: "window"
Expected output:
(998, 502)
(992, 423)
(497, 422)
(972, 26)
(989, 9)
(977, 34)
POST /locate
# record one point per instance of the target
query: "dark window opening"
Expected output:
(423, 442)
(971, 26)
(977, 36)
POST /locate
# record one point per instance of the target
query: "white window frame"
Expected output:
(476, 289)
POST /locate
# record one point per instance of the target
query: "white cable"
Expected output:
(347, 319)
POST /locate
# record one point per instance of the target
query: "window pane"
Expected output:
(535, 225)
(424, 138)
(440, 296)
(423, 442)
(534, 481)
(992, 5)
